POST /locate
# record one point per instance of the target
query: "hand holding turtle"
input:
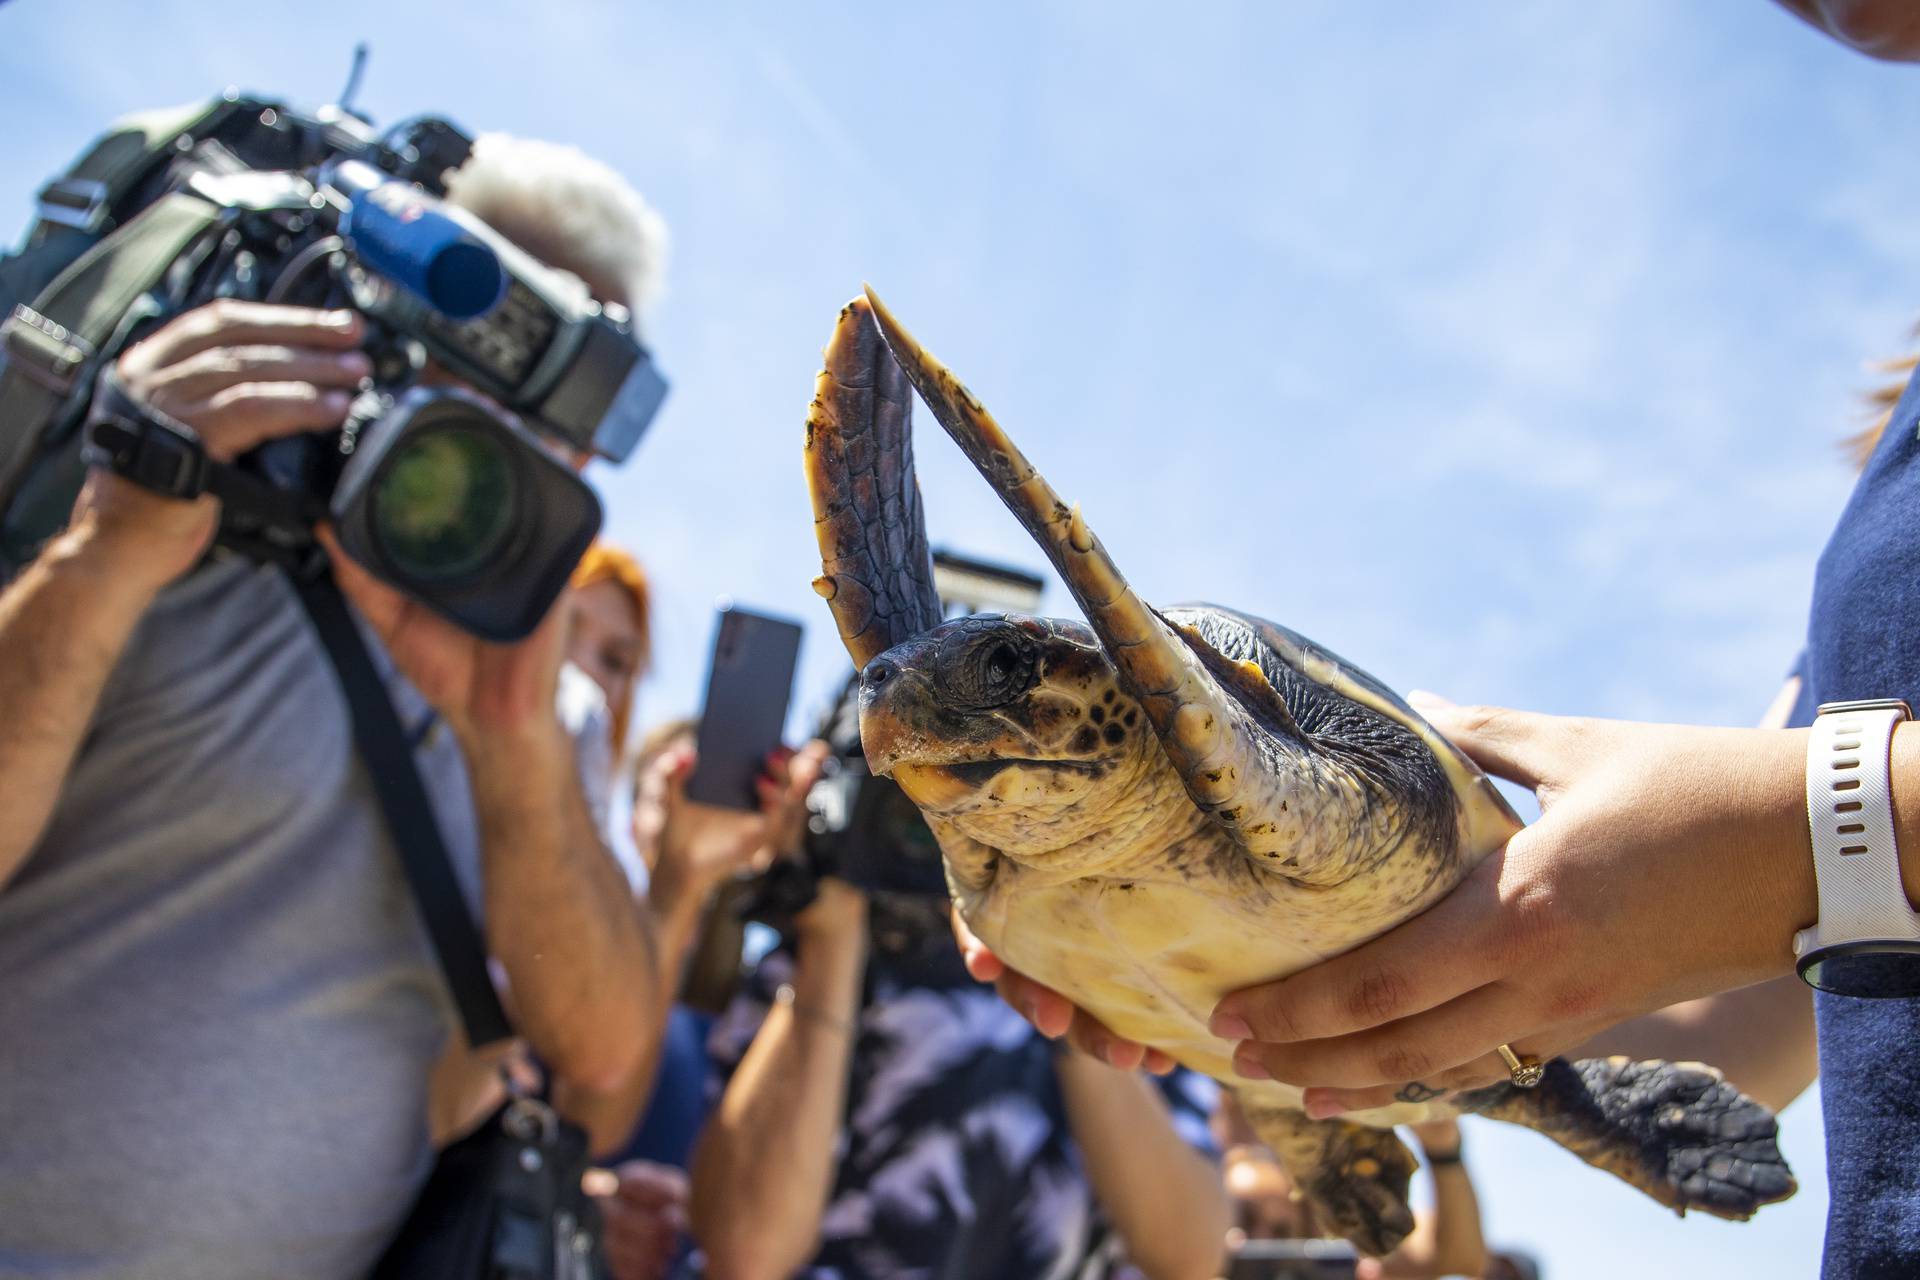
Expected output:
(1051, 1013)
(1157, 807)
(1668, 862)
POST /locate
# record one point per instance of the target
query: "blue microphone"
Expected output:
(399, 231)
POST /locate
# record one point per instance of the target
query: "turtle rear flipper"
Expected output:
(1677, 1131)
(1354, 1176)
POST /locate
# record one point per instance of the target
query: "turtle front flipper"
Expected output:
(1677, 1131)
(1227, 732)
(876, 570)
(1355, 1177)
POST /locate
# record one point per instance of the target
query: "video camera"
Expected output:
(443, 492)
(863, 829)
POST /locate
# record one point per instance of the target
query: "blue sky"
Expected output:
(1503, 349)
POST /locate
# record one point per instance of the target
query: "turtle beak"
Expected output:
(884, 732)
(896, 707)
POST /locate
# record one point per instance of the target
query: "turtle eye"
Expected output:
(1002, 664)
(990, 672)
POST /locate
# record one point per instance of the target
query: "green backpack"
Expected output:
(71, 297)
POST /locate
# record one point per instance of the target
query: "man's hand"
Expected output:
(644, 1206)
(239, 374)
(1668, 862)
(495, 697)
(1051, 1013)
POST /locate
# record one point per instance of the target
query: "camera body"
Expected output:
(439, 481)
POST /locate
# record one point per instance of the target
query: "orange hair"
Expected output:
(605, 562)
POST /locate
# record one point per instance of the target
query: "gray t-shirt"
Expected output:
(217, 1008)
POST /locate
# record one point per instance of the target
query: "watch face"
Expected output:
(1873, 970)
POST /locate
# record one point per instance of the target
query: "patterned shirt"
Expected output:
(956, 1160)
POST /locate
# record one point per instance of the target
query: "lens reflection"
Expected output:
(443, 507)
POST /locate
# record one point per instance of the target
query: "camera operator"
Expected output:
(220, 1011)
(885, 1117)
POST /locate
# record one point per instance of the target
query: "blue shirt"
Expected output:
(1863, 641)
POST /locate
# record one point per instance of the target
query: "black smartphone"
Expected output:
(749, 683)
(1293, 1260)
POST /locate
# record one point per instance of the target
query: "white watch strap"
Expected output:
(1850, 813)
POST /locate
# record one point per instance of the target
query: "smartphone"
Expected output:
(749, 683)
(1293, 1260)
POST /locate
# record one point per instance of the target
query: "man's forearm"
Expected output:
(765, 1163)
(1164, 1198)
(559, 915)
(63, 624)
(609, 1116)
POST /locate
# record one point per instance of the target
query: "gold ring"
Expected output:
(1526, 1072)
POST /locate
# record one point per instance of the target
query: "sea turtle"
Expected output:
(1155, 809)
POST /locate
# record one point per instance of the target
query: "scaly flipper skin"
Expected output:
(876, 571)
(1355, 1177)
(1211, 736)
(1677, 1131)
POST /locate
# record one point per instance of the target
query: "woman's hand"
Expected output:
(693, 847)
(1668, 862)
(690, 846)
(1051, 1013)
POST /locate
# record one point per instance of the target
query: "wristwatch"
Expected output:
(1867, 939)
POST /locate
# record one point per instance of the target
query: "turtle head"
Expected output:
(1014, 728)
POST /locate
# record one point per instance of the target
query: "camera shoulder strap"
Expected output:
(46, 347)
(384, 750)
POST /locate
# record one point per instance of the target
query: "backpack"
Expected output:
(86, 279)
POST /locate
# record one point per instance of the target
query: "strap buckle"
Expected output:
(143, 444)
(1866, 704)
(43, 350)
(80, 203)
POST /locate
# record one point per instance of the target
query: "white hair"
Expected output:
(567, 209)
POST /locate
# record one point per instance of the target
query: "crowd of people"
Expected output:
(228, 1050)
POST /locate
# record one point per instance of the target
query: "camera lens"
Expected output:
(444, 505)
